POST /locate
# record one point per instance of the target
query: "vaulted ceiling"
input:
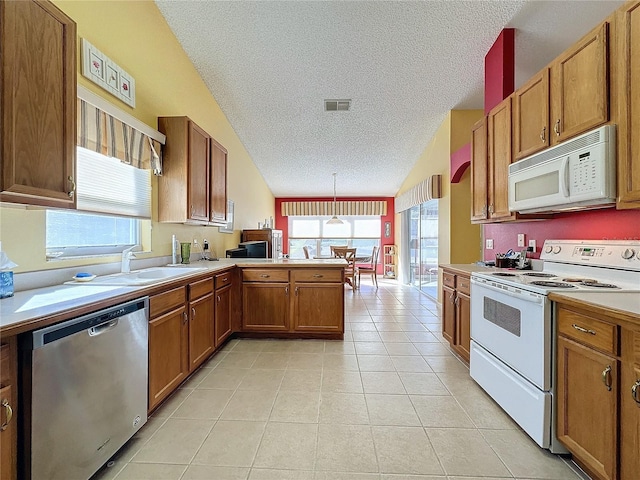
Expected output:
(271, 64)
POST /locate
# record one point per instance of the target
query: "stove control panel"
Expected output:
(624, 254)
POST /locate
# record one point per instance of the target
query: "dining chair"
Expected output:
(305, 249)
(333, 247)
(371, 269)
(351, 272)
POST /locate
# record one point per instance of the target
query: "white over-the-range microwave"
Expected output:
(577, 174)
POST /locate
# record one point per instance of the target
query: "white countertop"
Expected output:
(625, 302)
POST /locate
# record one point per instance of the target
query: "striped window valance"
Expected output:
(428, 189)
(311, 208)
(100, 132)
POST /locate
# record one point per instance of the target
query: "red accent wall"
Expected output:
(606, 224)
(499, 69)
(282, 222)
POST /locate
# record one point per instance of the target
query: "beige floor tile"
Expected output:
(225, 378)
(338, 381)
(410, 364)
(375, 363)
(382, 382)
(440, 412)
(272, 360)
(465, 452)
(345, 476)
(413, 477)
(340, 362)
(305, 361)
(275, 346)
(524, 458)
(177, 441)
(348, 336)
(423, 384)
(405, 450)
(432, 349)
(271, 474)
(239, 360)
(346, 448)
(151, 471)
(370, 348)
(249, 345)
(388, 327)
(339, 346)
(447, 365)
(197, 377)
(364, 327)
(422, 337)
(412, 327)
(401, 349)
(358, 317)
(479, 478)
(459, 383)
(305, 346)
(484, 412)
(301, 407)
(204, 404)
(231, 444)
(172, 403)
(391, 410)
(248, 405)
(366, 336)
(301, 381)
(380, 317)
(288, 446)
(149, 428)
(262, 379)
(209, 472)
(395, 337)
(343, 409)
(120, 459)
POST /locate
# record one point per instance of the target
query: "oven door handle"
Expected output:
(526, 296)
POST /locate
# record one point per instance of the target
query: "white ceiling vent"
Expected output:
(337, 105)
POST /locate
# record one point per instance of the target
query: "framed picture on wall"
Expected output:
(387, 229)
(228, 228)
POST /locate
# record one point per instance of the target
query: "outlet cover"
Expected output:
(521, 239)
(532, 244)
(489, 243)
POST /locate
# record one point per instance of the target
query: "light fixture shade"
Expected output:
(334, 221)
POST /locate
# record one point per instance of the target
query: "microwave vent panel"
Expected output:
(337, 105)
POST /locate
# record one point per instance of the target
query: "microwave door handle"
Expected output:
(564, 177)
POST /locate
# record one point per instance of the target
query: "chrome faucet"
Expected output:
(127, 255)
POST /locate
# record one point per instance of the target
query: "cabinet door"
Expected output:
(531, 116)
(222, 315)
(587, 399)
(580, 88)
(8, 408)
(463, 325)
(630, 406)
(448, 314)
(198, 172)
(218, 210)
(38, 104)
(168, 354)
(265, 307)
(318, 307)
(479, 171)
(629, 114)
(500, 156)
(201, 330)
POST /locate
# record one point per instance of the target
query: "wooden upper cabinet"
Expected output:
(38, 104)
(531, 116)
(628, 76)
(218, 211)
(479, 171)
(500, 156)
(580, 86)
(198, 172)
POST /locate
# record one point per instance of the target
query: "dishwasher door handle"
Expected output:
(105, 327)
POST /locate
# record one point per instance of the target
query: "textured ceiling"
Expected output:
(270, 65)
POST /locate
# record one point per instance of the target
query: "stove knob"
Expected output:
(548, 249)
(557, 249)
(628, 253)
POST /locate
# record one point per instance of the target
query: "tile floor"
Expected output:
(388, 402)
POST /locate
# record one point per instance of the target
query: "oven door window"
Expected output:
(502, 315)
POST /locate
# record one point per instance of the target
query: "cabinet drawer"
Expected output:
(317, 275)
(265, 275)
(169, 300)
(589, 331)
(449, 279)
(222, 279)
(463, 284)
(201, 288)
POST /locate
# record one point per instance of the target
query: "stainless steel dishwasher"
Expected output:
(88, 392)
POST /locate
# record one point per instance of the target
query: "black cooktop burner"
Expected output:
(546, 283)
(504, 274)
(539, 274)
(587, 283)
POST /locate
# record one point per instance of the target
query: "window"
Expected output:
(361, 232)
(112, 198)
(423, 246)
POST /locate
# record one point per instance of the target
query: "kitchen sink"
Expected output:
(146, 276)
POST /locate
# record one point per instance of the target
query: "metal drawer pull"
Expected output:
(264, 275)
(193, 312)
(225, 279)
(296, 291)
(556, 127)
(218, 298)
(317, 275)
(634, 392)
(542, 134)
(73, 186)
(606, 377)
(582, 329)
(9, 413)
(185, 318)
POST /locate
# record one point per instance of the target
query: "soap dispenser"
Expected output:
(175, 251)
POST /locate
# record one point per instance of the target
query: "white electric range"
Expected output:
(512, 324)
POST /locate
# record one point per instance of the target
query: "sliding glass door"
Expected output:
(423, 247)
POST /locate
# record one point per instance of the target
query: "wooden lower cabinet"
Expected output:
(317, 307)
(265, 307)
(223, 315)
(456, 311)
(463, 325)
(201, 329)
(448, 313)
(630, 406)
(8, 408)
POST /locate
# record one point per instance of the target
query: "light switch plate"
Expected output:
(521, 239)
(489, 243)
(532, 244)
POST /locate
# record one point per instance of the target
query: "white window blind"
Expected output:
(106, 185)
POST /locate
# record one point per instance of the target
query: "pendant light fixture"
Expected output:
(334, 220)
